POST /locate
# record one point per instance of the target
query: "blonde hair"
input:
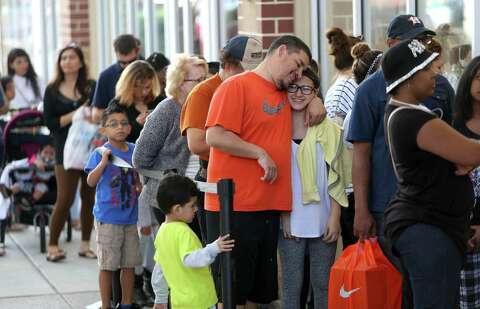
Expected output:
(138, 70)
(177, 71)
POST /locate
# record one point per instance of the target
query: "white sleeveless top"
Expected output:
(309, 220)
(24, 95)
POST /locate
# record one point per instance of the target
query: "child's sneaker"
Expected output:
(147, 288)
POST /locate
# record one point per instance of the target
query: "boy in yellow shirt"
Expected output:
(179, 252)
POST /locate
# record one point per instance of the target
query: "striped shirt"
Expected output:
(339, 98)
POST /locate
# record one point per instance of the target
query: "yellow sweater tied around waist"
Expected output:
(330, 137)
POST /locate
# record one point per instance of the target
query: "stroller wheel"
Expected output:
(69, 229)
(41, 221)
(25, 204)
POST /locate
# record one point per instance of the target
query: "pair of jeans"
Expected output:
(432, 264)
(385, 244)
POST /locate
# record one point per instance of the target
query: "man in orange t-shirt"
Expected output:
(239, 54)
(249, 130)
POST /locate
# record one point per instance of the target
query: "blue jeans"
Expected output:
(387, 251)
(432, 264)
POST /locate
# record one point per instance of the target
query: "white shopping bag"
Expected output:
(78, 145)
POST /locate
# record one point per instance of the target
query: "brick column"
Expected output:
(74, 24)
(266, 19)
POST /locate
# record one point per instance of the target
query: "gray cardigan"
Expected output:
(159, 147)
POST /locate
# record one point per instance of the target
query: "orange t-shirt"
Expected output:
(255, 110)
(195, 110)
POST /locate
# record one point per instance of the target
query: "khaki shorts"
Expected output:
(118, 246)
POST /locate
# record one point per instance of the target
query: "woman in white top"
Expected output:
(314, 226)
(339, 97)
(29, 89)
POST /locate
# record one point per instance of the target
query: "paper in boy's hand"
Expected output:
(225, 244)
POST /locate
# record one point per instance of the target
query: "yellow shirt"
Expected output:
(190, 288)
(339, 160)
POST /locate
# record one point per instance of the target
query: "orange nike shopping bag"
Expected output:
(363, 278)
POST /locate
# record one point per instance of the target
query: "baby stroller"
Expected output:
(24, 135)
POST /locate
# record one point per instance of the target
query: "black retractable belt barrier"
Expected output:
(225, 190)
(225, 195)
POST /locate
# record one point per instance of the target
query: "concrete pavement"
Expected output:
(27, 280)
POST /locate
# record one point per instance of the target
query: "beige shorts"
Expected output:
(118, 246)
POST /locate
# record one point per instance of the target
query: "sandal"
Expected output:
(56, 256)
(89, 254)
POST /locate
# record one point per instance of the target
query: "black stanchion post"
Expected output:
(116, 288)
(225, 191)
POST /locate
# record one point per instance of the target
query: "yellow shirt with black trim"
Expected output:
(190, 288)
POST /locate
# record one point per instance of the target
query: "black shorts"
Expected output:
(254, 255)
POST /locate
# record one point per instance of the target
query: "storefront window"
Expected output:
(17, 28)
(121, 19)
(180, 27)
(312, 21)
(21, 27)
(199, 22)
(449, 20)
(229, 19)
(377, 15)
(140, 22)
(52, 11)
(160, 24)
(339, 14)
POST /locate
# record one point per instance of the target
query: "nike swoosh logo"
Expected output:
(347, 294)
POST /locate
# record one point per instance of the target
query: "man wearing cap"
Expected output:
(249, 130)
(373, 178)
(241, 53)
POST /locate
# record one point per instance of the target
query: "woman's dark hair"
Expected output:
(213, 67)
(314, 66)
(340, 46)
(463, 108)
(82, 84)
(310, 74)
(31, 75)
(158, 61)
(434, 46)
(366, 61)
(5, 80)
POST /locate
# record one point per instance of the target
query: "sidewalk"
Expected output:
(27, 280)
